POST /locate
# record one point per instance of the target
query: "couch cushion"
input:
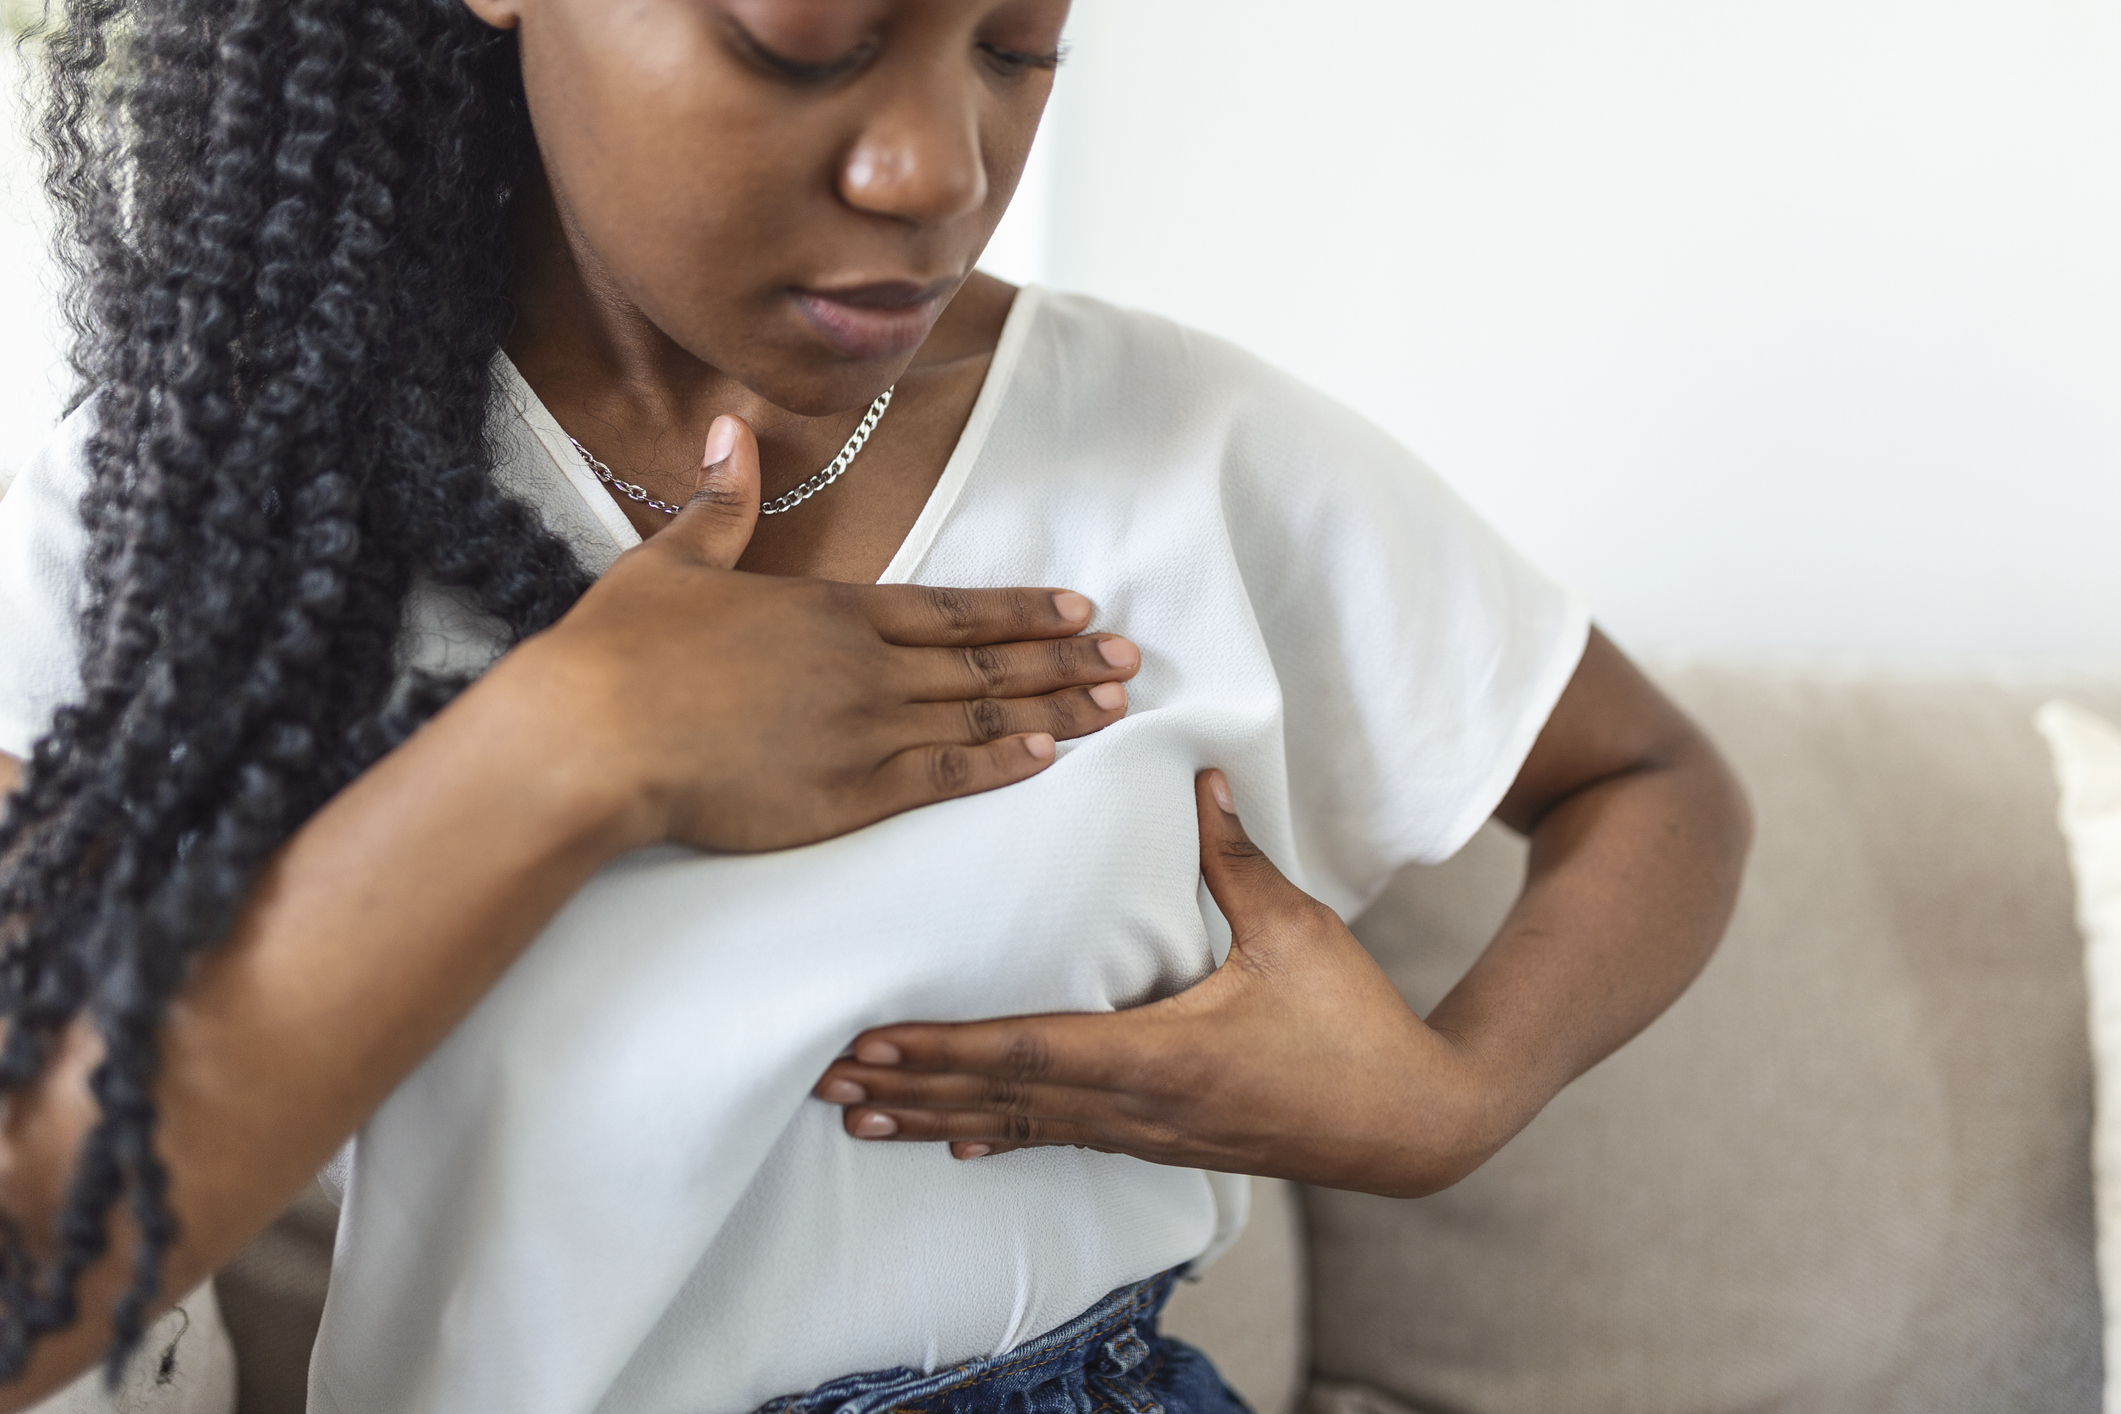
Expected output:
(1846, 1172)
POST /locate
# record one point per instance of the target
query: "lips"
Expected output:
(882, 320)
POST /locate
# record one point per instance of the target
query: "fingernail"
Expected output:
(975, 1151)
(877, 1053)
(1119, 653)
(1071, 606)
(721, 441)
(1219, 787)
(1109, 695)
(842, 1092)
(1040, 746)
(876, 1126)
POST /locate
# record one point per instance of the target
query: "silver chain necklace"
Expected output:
(778, 504)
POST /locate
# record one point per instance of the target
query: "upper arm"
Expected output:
(1610, 721)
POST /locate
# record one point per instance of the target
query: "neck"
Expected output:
(575, 328)
(644, 402)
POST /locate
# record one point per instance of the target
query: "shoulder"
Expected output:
(1152, 398)
(1130, 359)
(1124, 373)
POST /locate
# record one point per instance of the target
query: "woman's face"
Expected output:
(790, 190)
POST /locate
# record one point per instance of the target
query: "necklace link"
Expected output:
(779, 504)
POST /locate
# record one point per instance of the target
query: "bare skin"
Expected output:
(761, 213)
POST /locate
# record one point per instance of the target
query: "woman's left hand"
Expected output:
(1296, 1058)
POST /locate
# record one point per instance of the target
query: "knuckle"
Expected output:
(1001, 1093)
(949, 770)
(952, 606)
(718, 498)
(987, 666)
(1026, 1058)
(1061, 711)
(1020, 1129)
(988, 718)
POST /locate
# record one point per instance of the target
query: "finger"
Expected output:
(1245, 884)
(1013, 669)
(920, 615)
(850, 1083)
(718, 520)
(1077, 711)
(968, 1126)
(922, 775)
(1094, 1050)
(987, 1149)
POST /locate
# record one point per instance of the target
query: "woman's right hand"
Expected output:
(737, 711)
(679, 700)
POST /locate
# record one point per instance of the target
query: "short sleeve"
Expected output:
(43, 551)
(1419, 654)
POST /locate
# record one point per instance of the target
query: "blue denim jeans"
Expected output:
(1109, 1360)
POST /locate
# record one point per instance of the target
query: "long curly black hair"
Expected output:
(284, 226)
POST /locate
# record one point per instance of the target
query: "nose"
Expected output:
(919, 157)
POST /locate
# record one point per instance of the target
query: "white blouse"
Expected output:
(608, 1189)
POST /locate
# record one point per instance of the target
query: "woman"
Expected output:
(252, 909)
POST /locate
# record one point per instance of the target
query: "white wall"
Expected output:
(1790, 325)
(31, 385)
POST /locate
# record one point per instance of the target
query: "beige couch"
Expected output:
(1848, 1172)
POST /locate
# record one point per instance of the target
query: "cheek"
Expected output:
(681, 188)
(1005, 142)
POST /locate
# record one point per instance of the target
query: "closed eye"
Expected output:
(797, 71)
(1016, 61)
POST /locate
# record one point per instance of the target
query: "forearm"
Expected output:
(374, 930)
(1629, 886)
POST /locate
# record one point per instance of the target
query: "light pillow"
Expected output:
(2088, 765)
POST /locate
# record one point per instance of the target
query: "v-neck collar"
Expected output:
(552, 440)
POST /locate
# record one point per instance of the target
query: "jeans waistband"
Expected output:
(1108, 1342)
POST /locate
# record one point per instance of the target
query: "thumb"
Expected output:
(1243, 881)
(724, 509)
